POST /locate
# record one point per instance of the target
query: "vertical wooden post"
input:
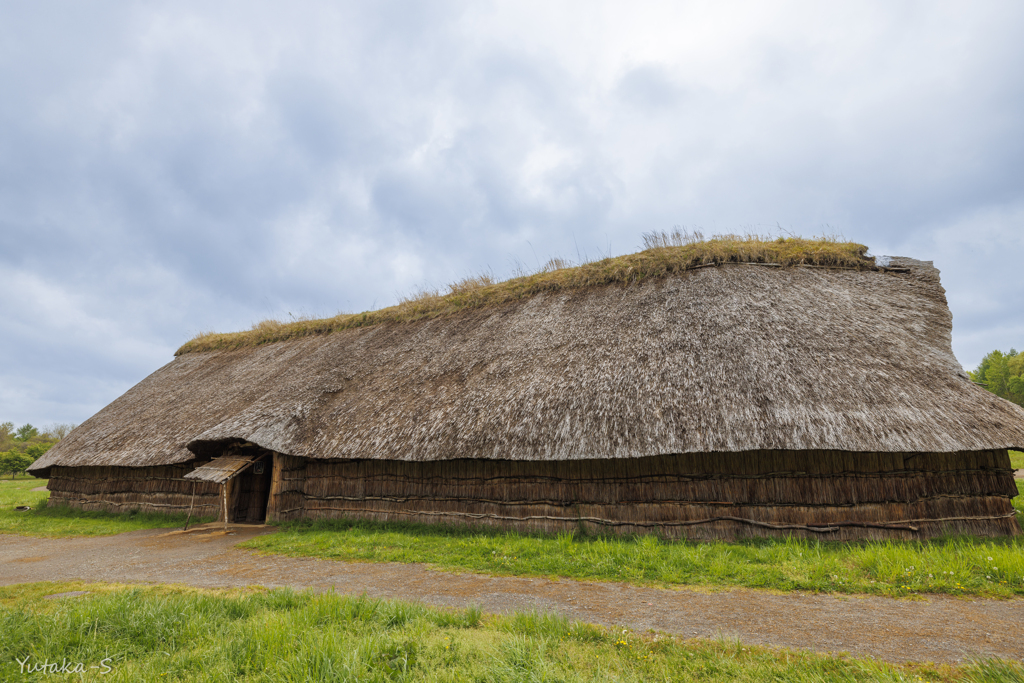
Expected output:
(224, 503)
(274, 502)
(191, 506)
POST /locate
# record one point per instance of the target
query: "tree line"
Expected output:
(21, 447)
(1002, 374)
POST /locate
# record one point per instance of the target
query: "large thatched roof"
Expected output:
(724, 358)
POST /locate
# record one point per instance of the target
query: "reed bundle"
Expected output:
(701, 496)
(117, 489)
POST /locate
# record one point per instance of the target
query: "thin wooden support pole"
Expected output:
(190, 506)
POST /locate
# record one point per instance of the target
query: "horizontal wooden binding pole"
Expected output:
(831, 527)
(625, 502)
(665, 477)
(134, 503)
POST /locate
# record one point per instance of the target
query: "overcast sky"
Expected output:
(170, 168)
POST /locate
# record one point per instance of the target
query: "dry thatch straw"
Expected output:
(816, 494)
(667, 254)
(723, 359)
(792, 387)
(121, 489)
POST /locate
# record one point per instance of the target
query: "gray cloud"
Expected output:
(171, 168)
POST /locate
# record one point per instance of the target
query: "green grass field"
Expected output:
(43, 521)
(164, 633)
(956, 566)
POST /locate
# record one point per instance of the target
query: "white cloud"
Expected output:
(980, 255)
(167, 168)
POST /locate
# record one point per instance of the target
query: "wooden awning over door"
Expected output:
(219, 470)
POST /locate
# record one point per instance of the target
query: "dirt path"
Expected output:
(939, 629)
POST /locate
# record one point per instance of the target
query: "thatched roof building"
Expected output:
(719, 400)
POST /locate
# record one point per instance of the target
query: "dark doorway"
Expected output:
(252, 491)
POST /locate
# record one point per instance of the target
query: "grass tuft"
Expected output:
(172, 633)
(667, 254)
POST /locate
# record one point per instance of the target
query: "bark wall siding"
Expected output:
(119, 489)
(831, 495)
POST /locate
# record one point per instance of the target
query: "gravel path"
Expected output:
(936, 629)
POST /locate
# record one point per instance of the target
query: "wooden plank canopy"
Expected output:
(219, 470)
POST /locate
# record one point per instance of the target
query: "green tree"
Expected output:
(26, 432)
(23, 462)
(9, 462)
(13, 462)
(36, 450)
(1002, 374)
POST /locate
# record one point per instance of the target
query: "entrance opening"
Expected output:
(244, 472)
(250, 493)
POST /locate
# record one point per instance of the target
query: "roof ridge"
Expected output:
(473, 293)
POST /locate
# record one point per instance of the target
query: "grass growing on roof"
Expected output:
(954, 566)
(165, 633)
(64, 521)
(668, 254)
